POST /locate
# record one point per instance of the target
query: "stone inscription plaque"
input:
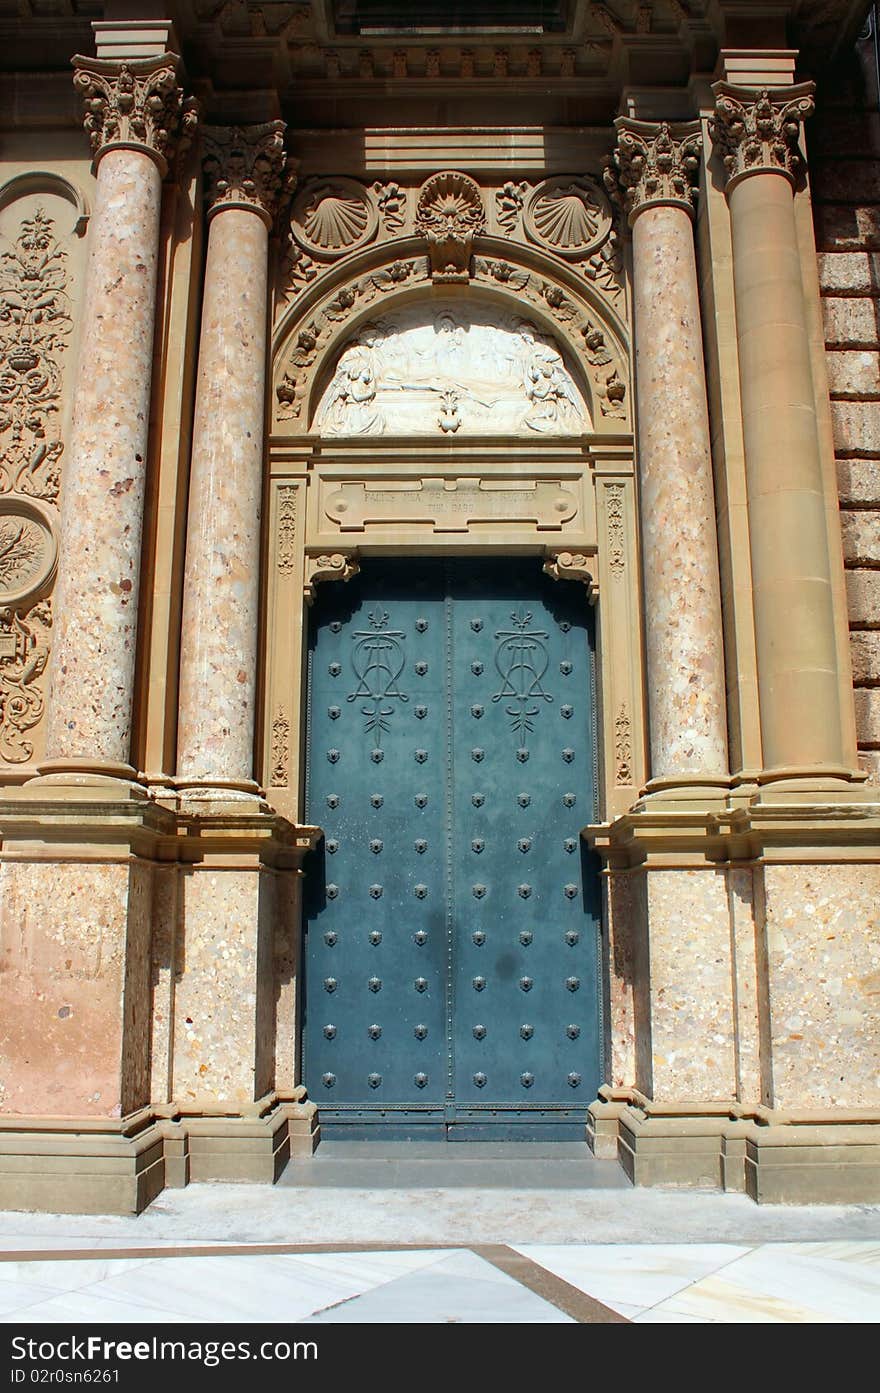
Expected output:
(451, 505)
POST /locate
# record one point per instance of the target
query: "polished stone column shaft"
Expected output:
(798, 681)
(218, 676)
(132, 111)
(685, 656)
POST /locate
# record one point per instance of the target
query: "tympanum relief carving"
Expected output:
(451, 370)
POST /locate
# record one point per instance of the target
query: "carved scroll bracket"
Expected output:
(574, 565)
(334, 565)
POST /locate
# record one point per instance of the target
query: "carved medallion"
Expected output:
(28, 551)
(570, 216)
(332, 218)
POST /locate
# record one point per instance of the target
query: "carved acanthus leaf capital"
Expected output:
(137, 104)
(246, 167)
(758, 131)
(654, 163)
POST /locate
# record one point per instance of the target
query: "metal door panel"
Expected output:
(455, 917)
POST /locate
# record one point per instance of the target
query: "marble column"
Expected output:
(652, 172)
(244, 171)
(134, 112)
(757, 135)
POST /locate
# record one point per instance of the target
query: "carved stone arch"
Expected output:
(312, 331)
(38, 181)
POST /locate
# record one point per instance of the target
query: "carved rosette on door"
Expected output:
(452, 971)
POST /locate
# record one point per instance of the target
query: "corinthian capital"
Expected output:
(135, 105)
(757, 131)
(653, 163)
(246, 167)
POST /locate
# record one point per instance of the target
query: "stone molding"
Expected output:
(653, 164)
(136, 105)
(246, 167)
(757, 131)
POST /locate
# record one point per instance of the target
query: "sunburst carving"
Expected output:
(571, 216)
(332, 219)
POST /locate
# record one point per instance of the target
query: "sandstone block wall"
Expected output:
(845, 171)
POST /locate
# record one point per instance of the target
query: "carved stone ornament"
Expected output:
(569, 216)
(25, 637)
(35, 328)
(654, 163)
(574, 565)
(449, 215)
(136, 104)
(28, 550)
(329, 566)
(246, 167)
(757, 132)
(332, 217)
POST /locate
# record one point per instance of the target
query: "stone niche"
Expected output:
(455, 370)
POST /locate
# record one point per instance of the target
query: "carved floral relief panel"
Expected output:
(41, 262)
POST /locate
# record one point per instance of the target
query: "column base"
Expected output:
(812, 1157)
(89, 1166)
(91, 778)
(220, 790)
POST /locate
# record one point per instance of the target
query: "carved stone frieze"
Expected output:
(35, 328)
(622, 746)
(654, 163)
(135, 104)
(757, 131)
(509, 204)
(449, 215)
(25, 638)
(569, 216)
(280, 748)
(616, 535)
(246, 167)
(334, 565)
(332, 217)
(285, 554)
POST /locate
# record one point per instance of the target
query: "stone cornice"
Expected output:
(136, 105)
(246, 167)
(757, 131)
(654, 163)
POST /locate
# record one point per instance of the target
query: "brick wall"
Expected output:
(844, 145)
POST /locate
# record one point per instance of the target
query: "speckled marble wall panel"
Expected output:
(823, 945)
(622, 918)
(223, 966)
(163, 967)
(102, 504)
(692, 1017)
(64, 938)
(742, 920)
(287, 957)
(135, 1085)
(682, 592)
(221, 581)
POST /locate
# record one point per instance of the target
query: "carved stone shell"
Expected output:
(333, 218)
(450, 202)
(569, 215)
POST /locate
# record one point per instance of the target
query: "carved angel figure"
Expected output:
(552, 401)
(351, 402)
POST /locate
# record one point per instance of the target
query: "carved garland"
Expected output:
(35, 328)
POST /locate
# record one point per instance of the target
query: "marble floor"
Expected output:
(643, 1283)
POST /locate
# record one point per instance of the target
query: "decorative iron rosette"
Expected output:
(569, 215)
(332, 217)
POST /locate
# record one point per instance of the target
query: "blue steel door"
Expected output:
(451, 961)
